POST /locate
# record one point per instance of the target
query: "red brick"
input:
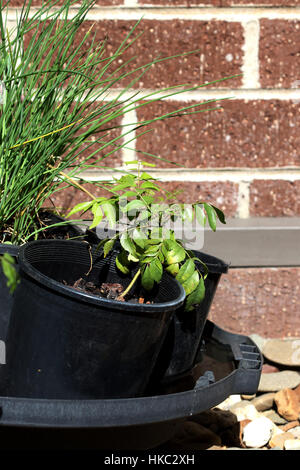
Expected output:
(221, 194)
(274, 198)
(65, 199)
(264, 301)
(215, 40)
(279, 53)
(245, 134)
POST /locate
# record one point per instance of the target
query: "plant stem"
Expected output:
(128, 288)
(77, 184)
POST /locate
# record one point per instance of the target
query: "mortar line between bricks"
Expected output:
(211, 175)
(130, 11)
(205, 94)
(250, 67)
(128, 152)
(243, 203)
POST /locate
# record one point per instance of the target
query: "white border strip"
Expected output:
(130, 11)
(211, 175)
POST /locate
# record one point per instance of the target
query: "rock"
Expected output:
(279, 439)
(297, 390)
(290, 425)
(260, 341)
(244, 410)
(292, 444)
(275, 417)
(283, 351)
(258, 432)
(295, 431)
(217, 448)
(288, 405)
(268, 368)
(248, 397)
(194, 436)
(276, 381)
(264, 402)
(231, 400)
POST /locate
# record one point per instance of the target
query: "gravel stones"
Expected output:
(276, 381)
(282, 351)
(288, 405)
(258, 432)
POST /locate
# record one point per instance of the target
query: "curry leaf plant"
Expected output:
(56, 106)
(141, 213)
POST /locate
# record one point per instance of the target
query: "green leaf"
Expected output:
(173, 269)
(148, 164)
(147, 279)
(108, 246)
(211, 215)
(186, 271)
(10, 272)
(122, 263)
(156, 270)
(191, 283)
(110, 212)
(98, 215)
(188, 213)
(136, 204)
(173, 252)
(220, 214)
(127, 244)
(81, 207)
(139, 238)
(200, 215)
(148, 185)
(145, 177)
(195, 297)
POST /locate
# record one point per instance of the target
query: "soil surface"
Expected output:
(107, 290)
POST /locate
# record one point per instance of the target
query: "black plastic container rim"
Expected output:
(90, 298)
(214, 265)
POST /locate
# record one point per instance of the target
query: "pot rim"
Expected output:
(91, 298)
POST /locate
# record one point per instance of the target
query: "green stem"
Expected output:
(128, 288)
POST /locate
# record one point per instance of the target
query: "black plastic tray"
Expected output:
(226, 364)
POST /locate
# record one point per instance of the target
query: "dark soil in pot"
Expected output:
(72, 345)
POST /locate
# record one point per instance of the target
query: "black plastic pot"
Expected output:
(61, 232)
(67, 344)
(185, 332)
(229, 364)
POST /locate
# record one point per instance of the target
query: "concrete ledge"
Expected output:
(256, 242)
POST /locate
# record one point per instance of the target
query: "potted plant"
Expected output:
(144, 218)
(54, 107)
(56, 115)
(101, 314)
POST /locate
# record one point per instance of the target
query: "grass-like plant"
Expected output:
(55, 106)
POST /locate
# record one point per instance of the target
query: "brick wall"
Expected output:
(246, 158)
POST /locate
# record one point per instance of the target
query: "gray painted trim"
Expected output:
(256, 242)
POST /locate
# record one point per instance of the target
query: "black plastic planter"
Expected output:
(66, 344)
(63, 231)
(228, 364)
(183, 339)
